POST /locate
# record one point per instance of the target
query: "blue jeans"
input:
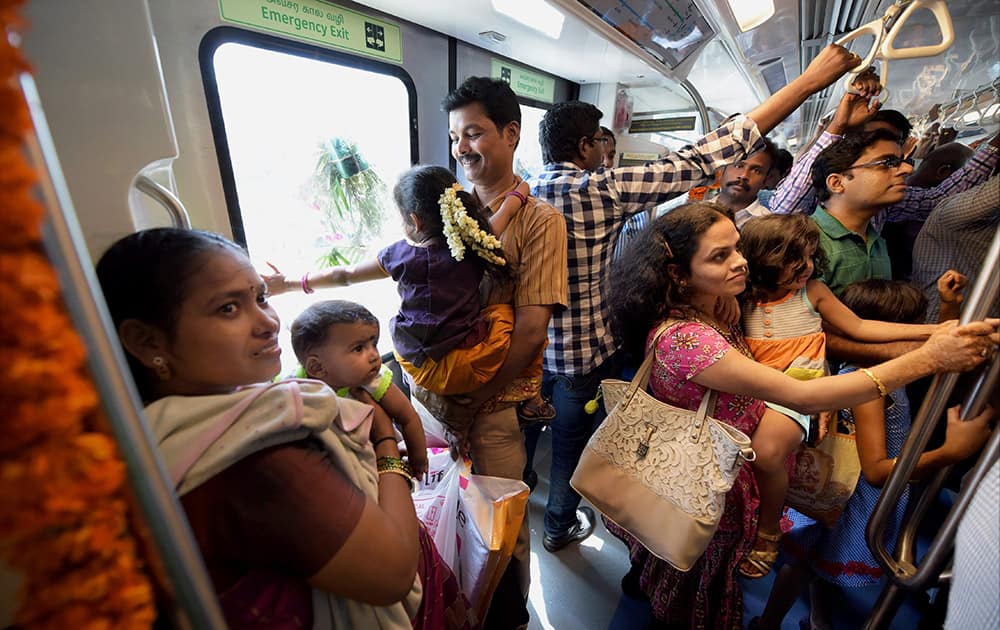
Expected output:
(571, 428)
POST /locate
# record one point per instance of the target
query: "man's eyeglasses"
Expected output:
(601, 139)
(893, 161)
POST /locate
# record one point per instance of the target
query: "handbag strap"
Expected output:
(641, 380)
(707, 402)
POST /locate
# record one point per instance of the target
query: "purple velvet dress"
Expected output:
(440, 299)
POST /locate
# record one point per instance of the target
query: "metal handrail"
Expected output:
(178, 214)
(63, 241)
(902, 570)
(699, 103)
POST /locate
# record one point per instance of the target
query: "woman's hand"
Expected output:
(954, 348)
(276, 282)
(963, 439)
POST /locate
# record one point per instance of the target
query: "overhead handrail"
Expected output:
(958, 118)
(885, 29)
(178, 214)
(994, 116)
(901, 569)
(153, 491)
(947, 111)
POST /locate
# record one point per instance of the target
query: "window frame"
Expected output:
(218, 36)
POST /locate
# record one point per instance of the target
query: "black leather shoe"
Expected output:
(531, 478)
(585, 521)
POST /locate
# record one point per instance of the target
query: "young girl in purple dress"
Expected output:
(442, 336)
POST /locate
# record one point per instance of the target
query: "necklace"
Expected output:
(732, 335)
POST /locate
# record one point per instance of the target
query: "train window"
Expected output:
(528, 159)
(309, 149)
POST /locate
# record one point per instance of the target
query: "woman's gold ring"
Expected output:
(984, 352)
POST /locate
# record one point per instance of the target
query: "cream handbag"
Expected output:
(658, 471)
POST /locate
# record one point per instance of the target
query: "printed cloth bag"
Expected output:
(825, 477)
(658, 471)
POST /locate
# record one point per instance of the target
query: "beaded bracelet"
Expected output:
(516, 193)
(878, 382)
(305, 284)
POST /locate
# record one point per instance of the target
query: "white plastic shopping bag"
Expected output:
(474, 521)
(433, 429)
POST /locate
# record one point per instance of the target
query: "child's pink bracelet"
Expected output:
(305, 284)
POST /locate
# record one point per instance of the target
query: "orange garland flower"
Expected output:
(65, 522)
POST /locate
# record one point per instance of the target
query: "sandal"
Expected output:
(528, 413)
(762, 557)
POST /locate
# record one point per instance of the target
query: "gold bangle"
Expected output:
(401, 473)
(878, 382)
(393, 464)
(893, 461)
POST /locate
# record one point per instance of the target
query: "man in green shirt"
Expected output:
(855, 179)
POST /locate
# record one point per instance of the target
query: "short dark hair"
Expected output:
(312, 327)
(562, 127)
(146, 276)
(773, 243)
(770, 149)
(783, 161)
(839, 156)
(896, 119)
(886, 300)
(494, 95)
(610, 134)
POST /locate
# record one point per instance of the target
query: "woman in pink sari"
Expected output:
(676, 270)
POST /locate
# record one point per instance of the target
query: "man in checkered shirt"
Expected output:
(596, 204)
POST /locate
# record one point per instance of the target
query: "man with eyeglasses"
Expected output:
(854, 180)
(858, 113)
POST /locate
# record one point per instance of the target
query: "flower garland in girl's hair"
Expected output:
(460, 228)
(64, 523)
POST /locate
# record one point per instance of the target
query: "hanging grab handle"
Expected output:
(940, 10)
(886, 28)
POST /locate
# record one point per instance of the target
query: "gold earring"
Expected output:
(161, 367)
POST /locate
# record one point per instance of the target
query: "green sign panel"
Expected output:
(320, 22)
(656, 125)
(524, 82)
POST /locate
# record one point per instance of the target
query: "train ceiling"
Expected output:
(588, 50)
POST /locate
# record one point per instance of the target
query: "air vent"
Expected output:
(819, 18)
(493, 36)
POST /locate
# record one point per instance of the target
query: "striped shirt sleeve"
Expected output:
(795, 192)
(640, 187)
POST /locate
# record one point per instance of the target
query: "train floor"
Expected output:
(579, 587)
